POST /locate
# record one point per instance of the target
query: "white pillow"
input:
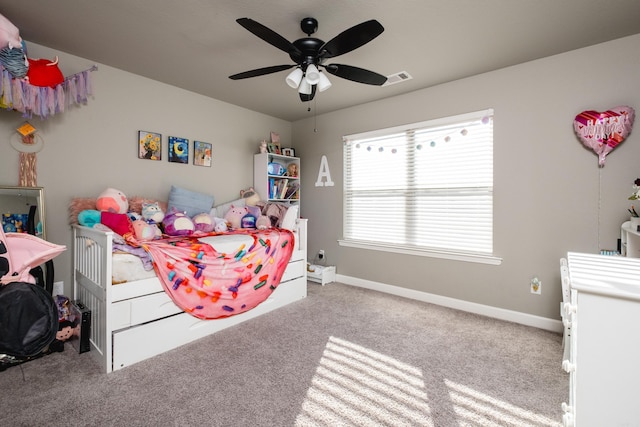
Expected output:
(289, 220)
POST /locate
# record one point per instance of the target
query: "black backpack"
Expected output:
(28, 319)
(28, 313)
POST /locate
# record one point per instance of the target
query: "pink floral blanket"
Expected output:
(209, 284)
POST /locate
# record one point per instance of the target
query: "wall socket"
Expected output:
(321, 254)
(536, 286)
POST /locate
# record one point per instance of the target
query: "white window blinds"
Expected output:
(425, 186)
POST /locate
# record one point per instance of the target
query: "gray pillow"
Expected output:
(190, 202)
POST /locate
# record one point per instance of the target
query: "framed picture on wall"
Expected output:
(149, 145)
(288, 152)
(201, 153)
(178, 150)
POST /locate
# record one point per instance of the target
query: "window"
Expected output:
(424, 188)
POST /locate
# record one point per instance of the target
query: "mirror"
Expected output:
(16, 203)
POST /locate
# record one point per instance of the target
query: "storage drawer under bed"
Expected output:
(135, 311)
(137, 343)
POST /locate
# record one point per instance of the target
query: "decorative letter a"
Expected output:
(324, 172)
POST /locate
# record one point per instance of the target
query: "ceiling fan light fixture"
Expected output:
(324, 82)
(309, 53)
(305, 87)
(312, 74)
(294, 78)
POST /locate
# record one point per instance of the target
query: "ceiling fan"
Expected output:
(309, 54)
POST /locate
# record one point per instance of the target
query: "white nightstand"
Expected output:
(321, 274)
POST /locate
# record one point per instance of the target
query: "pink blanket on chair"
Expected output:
(209, 284)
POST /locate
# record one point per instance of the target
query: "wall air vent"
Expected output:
(402, 76)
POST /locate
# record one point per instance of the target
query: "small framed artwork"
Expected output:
(288, 152)
(201, 153)
(273, 147)
(178, 150)
(149, 145)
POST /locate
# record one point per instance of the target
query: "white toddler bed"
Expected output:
(136, 320)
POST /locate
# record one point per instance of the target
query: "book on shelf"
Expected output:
(283, 188)
(292, 191)
(272, 189)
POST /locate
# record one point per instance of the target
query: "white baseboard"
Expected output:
(471, 307)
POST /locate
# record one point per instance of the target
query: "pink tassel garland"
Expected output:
(19, 95)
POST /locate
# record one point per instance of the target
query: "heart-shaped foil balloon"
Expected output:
(604, 131)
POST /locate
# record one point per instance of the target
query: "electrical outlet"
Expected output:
(321, 254)
(536, 286)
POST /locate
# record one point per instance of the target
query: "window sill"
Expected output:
(456, 256)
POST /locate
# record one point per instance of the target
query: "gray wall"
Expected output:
(92, 147)
(550, 197)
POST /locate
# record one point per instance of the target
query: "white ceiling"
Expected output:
(196, 44)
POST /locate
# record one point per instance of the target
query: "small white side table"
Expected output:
(322, 274)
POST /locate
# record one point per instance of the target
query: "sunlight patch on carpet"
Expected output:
(478, 409)
(354, 385)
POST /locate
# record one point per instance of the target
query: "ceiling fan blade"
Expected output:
(356, 74)
(352, 38)
(261, 71)
(268, 35)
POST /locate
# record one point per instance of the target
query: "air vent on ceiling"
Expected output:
(402, 76)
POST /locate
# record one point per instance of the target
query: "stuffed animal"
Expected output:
(203, 222)
(89, 217)
(178, 224)
(153, 215)
(220, 225)
(134, 216)
(67, 329)
(234, 216)
(251, 198)
(145, 231)
(9, 34)
(112, 200)
(152, 212)
(263, 146)
(44, 73)
(263, 222)
(248, 221)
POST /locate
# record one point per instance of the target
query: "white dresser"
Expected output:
(604, 345)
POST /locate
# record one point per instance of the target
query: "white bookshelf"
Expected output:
(271, 184)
